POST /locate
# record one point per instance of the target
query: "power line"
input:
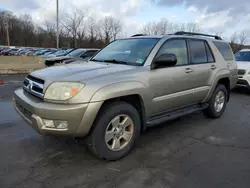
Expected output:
(79, 10)
(44, 8)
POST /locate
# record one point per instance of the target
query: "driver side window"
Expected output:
(177, 47)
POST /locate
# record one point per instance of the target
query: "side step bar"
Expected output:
(156, 120)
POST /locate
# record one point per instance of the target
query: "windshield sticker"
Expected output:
(140, 60)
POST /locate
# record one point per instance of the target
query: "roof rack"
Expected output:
(199, 34)
(137, 35)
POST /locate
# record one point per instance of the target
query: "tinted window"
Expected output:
(243, 56)
(198, 51)
(210, 57)
(224, 50)
(177, 47)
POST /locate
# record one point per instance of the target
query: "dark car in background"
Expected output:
(13, 51)
(75, 55)
(8, 51)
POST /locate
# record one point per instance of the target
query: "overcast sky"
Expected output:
(225, 16)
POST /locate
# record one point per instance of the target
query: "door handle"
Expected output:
(188, 70)
(213, 67)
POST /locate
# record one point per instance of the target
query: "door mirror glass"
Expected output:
(165, 60)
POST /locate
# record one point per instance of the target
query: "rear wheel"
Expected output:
(217, 103)
(115, 131)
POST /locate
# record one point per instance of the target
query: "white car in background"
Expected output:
(243, 61)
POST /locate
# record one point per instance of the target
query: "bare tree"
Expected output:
(111, 27)
(116, 27)
(189, 27)
(164, 27)
(242, 39)
(75, 32)
(152, 28)
(233, 41)
(74, 22)
(92, 29)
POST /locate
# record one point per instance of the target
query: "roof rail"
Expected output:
(199, 34)
(137, 35)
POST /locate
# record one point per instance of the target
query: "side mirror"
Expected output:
(164, 60)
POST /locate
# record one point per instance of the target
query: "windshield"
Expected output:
(127, 51)
(243, 56)
(76, 52)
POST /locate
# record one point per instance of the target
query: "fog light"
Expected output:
(48, 123)
(61, 124)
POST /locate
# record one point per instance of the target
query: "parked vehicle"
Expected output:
(61, 53)
(243, 61)
(128, 86)
(8, 51)
(30, 52)
(78, 54)
(49, 52)
(13, 51)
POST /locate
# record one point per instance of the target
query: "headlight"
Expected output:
(63, 90)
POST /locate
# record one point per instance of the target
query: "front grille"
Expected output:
(24, 111)
(241, 71)
(38, 80)
(34, 86)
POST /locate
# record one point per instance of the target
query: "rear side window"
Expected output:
(198, 51)
(210, 57)
(224, 50)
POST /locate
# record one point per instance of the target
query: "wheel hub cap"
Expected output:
(119, 132)
(219, 101)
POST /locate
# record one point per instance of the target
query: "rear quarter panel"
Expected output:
(225, 69)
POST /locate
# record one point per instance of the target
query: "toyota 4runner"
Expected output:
(128, 86)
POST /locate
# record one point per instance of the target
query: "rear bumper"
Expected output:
(79, 117)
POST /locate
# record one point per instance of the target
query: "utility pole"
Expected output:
(7, 32)
(57, 24)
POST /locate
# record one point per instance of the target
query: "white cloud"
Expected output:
(192, 9)
(227, 16)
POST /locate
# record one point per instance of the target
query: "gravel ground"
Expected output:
(191, 152)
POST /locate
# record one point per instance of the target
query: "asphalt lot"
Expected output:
(191, 152)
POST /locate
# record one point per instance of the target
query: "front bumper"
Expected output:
(80, 117)
(243, 83)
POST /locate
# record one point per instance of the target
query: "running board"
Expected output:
(156, 120)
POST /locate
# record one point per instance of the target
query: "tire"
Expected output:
(96, 140)
(211, 110)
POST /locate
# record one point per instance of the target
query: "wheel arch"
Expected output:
(223, 78)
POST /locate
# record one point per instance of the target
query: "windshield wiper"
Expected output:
(115, 61)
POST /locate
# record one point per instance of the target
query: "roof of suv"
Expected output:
(181, 34)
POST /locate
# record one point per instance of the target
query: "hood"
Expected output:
(80, 71)
(243, 65)
(58, 58)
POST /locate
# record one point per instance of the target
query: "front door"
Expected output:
(171, 86)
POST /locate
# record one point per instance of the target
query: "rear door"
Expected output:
(203, 66)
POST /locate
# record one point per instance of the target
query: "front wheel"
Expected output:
(115, 131)
(217, 103)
